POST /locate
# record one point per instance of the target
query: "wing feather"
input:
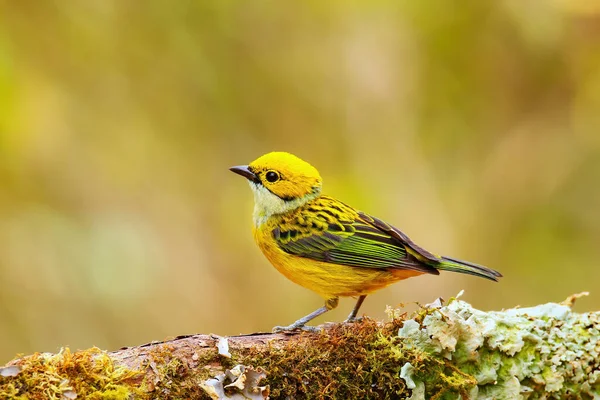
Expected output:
(328, 230)
(417, 250)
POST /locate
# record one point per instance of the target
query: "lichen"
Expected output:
(238, 383)
(543, 352)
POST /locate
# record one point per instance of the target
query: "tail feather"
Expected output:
(465, 267)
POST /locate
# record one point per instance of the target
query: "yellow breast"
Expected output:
(326, 279)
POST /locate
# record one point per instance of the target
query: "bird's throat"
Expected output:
(267, 204)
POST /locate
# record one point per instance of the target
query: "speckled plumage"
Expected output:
(327, 246)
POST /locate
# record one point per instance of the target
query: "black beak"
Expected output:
(244, 171)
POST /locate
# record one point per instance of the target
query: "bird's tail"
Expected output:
(465, 267)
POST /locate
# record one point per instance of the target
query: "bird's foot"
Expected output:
(295, 327)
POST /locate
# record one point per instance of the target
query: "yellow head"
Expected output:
(281, 182)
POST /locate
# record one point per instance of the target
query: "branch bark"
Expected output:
(451, 351)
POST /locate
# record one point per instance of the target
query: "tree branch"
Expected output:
(547, 351)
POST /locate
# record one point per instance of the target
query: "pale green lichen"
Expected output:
(406, 373)
(543, 352)
(239, 383)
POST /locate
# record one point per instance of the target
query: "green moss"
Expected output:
(361, 360)
(90, 374)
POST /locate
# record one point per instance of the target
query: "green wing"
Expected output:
(337, 234)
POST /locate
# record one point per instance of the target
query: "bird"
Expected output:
(327, 246)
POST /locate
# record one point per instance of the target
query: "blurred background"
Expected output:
(473, 126)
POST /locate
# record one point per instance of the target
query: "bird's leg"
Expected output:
(330, 304)
(359, 302)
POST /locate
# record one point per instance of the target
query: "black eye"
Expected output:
(272, 176)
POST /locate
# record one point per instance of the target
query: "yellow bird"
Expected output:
(327, 246)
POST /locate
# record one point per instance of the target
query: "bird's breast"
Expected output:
(326, 279)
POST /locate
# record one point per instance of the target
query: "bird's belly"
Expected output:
(330, 280)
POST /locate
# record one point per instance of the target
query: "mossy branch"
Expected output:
(439, 352)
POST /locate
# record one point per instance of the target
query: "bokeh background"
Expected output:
(471, 125)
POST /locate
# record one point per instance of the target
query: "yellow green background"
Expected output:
(474, 126)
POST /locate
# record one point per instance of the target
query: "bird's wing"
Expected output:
(335, 233)
(401, 237)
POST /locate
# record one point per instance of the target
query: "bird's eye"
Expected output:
(272, 176)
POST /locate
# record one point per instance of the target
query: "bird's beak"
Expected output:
(244, 171)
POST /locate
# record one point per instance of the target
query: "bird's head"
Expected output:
(281, 182)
